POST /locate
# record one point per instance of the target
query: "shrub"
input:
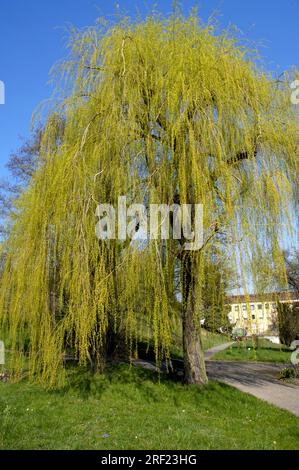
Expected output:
(288, 322)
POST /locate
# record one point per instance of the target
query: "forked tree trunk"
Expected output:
(194, 362)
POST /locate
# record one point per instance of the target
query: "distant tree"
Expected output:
(21, 166)
(292, 269)
(218, 280)
(288, 322)
(288, 314)
(23, 163)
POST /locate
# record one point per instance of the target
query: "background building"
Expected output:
(257, 313)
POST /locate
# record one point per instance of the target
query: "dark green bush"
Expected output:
(288, 322)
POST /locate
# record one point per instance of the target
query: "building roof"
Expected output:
(266, 297)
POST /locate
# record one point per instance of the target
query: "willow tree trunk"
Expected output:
(194, 362)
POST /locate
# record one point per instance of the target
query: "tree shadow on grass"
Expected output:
(84, 383)
(131, 380)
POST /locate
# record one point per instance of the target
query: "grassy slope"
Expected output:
(266, 352)
(209, 340)
(138, 412)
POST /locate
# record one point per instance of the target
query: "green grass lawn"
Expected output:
(265, 352)
(136, 411)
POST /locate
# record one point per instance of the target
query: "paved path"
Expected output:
(258, 379)
(221, 347)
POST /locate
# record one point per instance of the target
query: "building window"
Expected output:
(244, 307)
(259, 306)
(267, 306)
(252, 306)
(237, 308)
(253, 317)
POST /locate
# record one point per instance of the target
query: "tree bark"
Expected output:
(194, 362)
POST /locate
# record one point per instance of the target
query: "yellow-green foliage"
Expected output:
(153, 109)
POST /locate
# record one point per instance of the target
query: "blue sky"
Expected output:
(33, 38)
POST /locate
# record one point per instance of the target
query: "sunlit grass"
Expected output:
(130, 409)
(248, 351)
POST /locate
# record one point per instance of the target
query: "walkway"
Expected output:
(257, 378)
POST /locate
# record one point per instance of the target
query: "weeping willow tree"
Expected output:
(163, 111)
